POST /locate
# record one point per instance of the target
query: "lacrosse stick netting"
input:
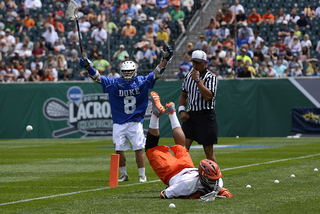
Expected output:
(72, 9)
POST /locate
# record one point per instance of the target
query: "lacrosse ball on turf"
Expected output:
(292, 176)
(315, 169)
(276, 181)
(237, 136)
(248, 186)
(172, 205)
(29, 128)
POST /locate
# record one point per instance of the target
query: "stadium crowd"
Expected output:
(243, 43)
(38, 41)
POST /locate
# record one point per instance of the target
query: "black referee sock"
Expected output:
(152, 141)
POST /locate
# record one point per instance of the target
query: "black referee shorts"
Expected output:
(202, 128)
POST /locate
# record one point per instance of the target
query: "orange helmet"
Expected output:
(209, 173)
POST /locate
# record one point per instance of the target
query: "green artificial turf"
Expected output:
(72, 176)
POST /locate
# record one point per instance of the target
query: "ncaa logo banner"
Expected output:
(86, 113)
(306, 120)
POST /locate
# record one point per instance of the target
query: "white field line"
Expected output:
(104, 188)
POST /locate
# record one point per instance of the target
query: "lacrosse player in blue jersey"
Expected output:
(129, 100)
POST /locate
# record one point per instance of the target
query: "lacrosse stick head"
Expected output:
(72, 9)
(209, 173)
(211, 196)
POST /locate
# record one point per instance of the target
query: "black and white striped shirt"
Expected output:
(195, 101)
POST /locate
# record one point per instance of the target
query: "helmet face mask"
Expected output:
(128, 70)
(209, 173)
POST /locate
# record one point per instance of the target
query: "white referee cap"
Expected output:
(198, 56)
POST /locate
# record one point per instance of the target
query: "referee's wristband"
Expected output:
(181, 108)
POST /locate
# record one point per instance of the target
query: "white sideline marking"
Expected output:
(104, 188)
(304, 92)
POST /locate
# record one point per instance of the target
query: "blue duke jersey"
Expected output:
(128, 99)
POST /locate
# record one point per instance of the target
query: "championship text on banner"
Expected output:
(306, 120)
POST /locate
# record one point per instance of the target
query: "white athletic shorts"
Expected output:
(128, 132)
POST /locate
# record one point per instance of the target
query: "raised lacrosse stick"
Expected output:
(72, 10)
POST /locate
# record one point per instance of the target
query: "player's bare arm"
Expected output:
(182, 106)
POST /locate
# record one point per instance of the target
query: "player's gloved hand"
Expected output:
(166, 53)
(163, 194)
(85, 63)
(225, 192)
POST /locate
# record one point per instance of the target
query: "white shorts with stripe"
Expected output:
(128, 132)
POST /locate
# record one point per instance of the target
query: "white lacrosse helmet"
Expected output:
(126, 68)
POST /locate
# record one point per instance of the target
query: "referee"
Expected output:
(199, 121)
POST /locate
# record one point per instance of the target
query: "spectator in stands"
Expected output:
(243, 56)
(99, 34)
(281, 16)
(228, 42)
(71, 54)
(243, 72)
(162, 3)
(11, 13)
(102, 16)
(295, 60)
(28, 21)
(40, 21)
(50, 34)
(91, 17)
(318, 47)
(297, 32)
(64, 76)
(11, 40)
(166, 27)
(256, 38)
(296, 71)
(261, 70)
(315, 72)
(50, 61)
(46, 76)
(306, 42)
(223, 32)
(155, 26)
(293, 17)
(142, 43)
(162, 35)
(245, 30)
(225, 69)
(20, 26)
(24, 52)
(312, 69)
(59, 46)
(254, 17)
(259, 54)
(149, 3)
(73, 35)
(34, 77)
(200, 43)
(149, 34)
(38, 51)
(33, 4)
(101, 64)
(137, 4)
(284, 31)
(37, 61)
(84, 25)
(271, 72)
(146, 53)
(120, 53)
(250, 68)
(181, 74)
(318, 11)
(280, 45)
(287, 73)
(50, 19)
(21, 77)
(279, 67)
(187, 3)
(109, 25)
(309, 12)
(10, 25)
(236, 7)
(287, 53)
(303, 21)
(186, 64)
(132, 11)
(141, 16)
(125, 17)
(283, 60)
(208, 49)
(289, 39)
(241, 18)
(296, 45)
(304, 54)
(62, 62)
(22, 10)
(113, 74)
(178, 15)
(58, 13)
(210, 31)
(123, 6)
(58, 26)
(242, 40)
(129, 30)
(4, 5)
(84, 8)
(189, 49)
(219, 17)
(268, 17)
(229, 17)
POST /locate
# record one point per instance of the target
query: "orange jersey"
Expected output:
(254, 18)
(267, 17)
(228, 18)
(165, 165)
